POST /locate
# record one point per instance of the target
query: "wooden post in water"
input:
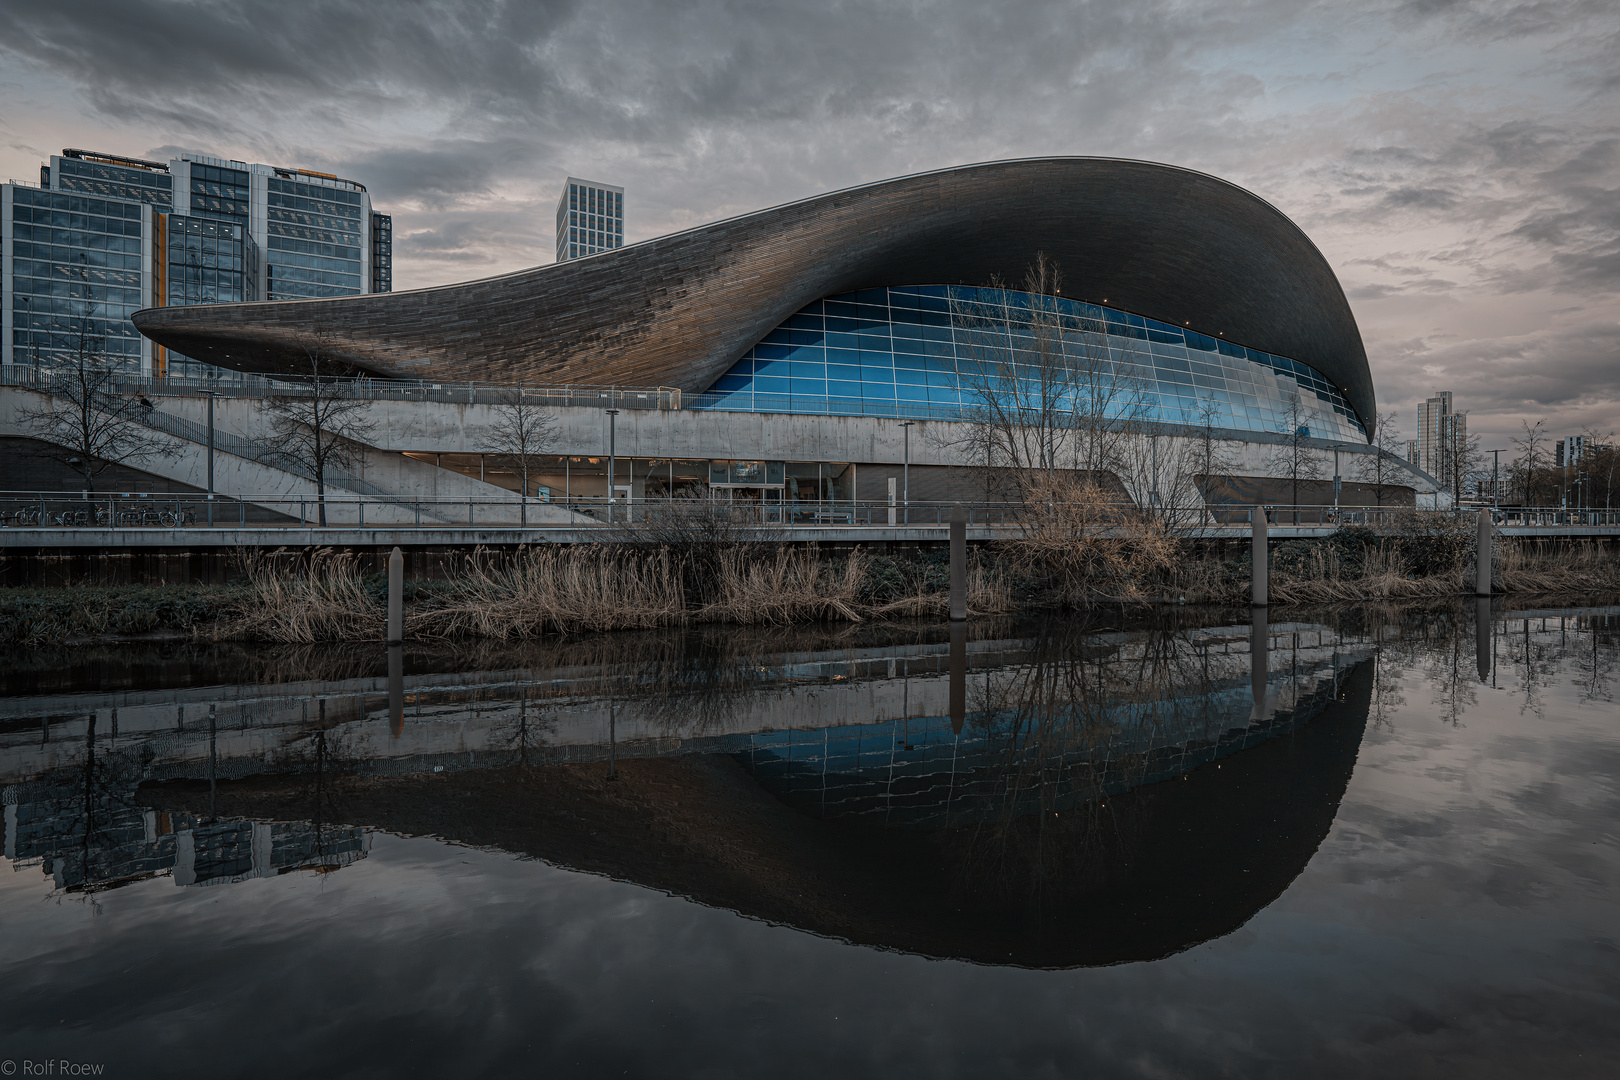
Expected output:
(396, 690)
(1482, 555)
(396, 597)
(958, 563)
(1260, 572)
(1482, 637)
(1259, 649)
(958, 676)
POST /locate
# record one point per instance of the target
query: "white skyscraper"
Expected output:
(590, 218)
(1442, 436)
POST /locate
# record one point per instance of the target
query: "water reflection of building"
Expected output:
(108, 841)
(1014, 756)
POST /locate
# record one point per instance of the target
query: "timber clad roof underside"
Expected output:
(1163, 242)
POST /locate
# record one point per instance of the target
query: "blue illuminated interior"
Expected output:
(938, 352)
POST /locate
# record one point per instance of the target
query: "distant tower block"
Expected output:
(590, 218)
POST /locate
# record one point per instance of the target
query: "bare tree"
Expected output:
(1381, 470)
(84, 423)
(522, 430)
(1602, 466)
(1208, 458)
(1047, 393)
(1294, 457)
(1531, 464)
(319, 426)
(1460, 456)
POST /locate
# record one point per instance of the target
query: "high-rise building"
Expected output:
(1569, 451)
(1442, 437)
(590, 218)
(103, 236)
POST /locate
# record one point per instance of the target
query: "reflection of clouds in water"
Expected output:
(552, 965)
(1461, 909)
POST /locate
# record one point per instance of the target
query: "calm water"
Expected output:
(1372, 842)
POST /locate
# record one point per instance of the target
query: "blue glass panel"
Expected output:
(925, 344)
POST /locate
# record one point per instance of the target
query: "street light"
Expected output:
(1338, 480)
(1496, 465)
(209, 394)
(905, 471)
(612, 415)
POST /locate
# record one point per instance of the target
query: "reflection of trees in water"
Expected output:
(1451, 666)
(1049, 724)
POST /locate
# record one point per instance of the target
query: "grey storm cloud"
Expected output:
(1456, 161)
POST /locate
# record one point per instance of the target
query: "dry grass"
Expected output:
(560, 590)
(1086, 546)
(556, 590)
(321, 599)
(1565, 568)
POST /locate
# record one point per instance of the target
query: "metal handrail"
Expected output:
(242, 384)
(123, 509)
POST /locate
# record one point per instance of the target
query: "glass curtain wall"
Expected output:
(115, 182)
(314, 241)
(937, 351)
(76, 278)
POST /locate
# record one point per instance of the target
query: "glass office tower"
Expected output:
(590, 218)
(78, 267)
(194, 230)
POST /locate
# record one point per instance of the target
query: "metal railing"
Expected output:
(348, 510)
(476, 393)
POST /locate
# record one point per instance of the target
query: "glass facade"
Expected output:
(115, 181)
(208, 262)
(76, 277)
(313, 241)
(942, 352)
(382, 253)
(590, 218)
(219, 193)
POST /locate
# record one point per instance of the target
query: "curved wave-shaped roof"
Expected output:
(1164, 242)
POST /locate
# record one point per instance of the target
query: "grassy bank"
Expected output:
(560, 590)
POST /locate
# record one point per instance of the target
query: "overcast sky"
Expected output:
(1457, 162)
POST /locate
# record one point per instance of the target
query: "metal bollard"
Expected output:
(958, 563)
(1260, 571)
(396, 597)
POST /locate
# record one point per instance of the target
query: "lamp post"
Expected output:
(1496, 465)
(905, 471)
(612, 415)
(209, 394)
(1338, 480)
